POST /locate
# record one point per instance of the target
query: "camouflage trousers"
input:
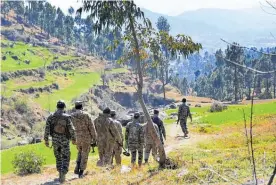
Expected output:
(134, 148)
(105, 148)
(83, 152)
(61, 146)
(150, 148)
(117, 151)
(183, 124)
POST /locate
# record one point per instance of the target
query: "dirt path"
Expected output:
(49, 176)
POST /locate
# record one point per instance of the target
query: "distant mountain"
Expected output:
(251, 27)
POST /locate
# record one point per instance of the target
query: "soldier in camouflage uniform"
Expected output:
(117, 151)
(149, 143)
(134, 137)
(183, 114)
(85, 134)
(61, 129)
(160, 124)
(107, 136)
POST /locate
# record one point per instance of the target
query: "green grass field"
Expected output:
(79, 84)
(38, 56)
(40, 149)
(234, 113)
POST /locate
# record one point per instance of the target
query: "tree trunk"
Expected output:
(274, 81)
(235, 85)
(163, 78)
(153, 133)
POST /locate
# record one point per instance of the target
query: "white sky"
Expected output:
(173, 7)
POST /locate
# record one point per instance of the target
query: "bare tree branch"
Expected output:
(253, 49)
(261, 5)
(249, 68)
(272, 176)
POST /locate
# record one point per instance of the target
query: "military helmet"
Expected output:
(106, 110)
(113, 112)
(61, 104)
(156, 111)
(136, 115)
(78, 103)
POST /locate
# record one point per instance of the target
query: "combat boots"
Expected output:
(61, 177)
(81, 174)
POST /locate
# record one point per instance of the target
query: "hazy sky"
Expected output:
(174, 7)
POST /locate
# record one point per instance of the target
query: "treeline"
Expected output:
(70, 28)
(231, 82)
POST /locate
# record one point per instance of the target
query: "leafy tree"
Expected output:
(235, 54)
(116, 15)
(162, 24)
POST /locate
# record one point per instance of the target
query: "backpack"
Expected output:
(59, 126)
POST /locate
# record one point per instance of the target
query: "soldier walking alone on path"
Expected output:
(85, 134)
(61, 129)
(134, 137)
(150, 146)
(117, 151)
(107, 137)
(159, 123)
(183, 113)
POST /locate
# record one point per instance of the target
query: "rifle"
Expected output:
(93, 145)
(78, 163)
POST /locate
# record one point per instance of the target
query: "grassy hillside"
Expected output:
(38, 56)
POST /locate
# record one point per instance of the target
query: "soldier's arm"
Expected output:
(157, 130)
(179, 113)
(71, 129)
(120, 131)
(92, 129)
(47, 128)
(189, 114)
(142, 138)
(126, 136)
(113, 129)
(163, 129)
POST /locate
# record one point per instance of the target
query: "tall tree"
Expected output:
(235, 53)
(118, 14)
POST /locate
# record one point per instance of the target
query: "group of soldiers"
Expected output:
(106, 133)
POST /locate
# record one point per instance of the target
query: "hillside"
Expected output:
(207, 26)
(227, 139)
(37, 71)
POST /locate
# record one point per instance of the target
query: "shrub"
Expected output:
(21, 106)
(27, 163)
(217, 107)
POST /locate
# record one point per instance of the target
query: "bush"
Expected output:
(217, 107)
(21, 106)
(27, 163)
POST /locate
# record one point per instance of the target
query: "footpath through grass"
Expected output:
(40, 149)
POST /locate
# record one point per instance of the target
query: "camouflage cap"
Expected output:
(78, 103)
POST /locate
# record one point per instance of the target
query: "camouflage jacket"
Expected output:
(106, 129)
(184, 112)
(134, 133)
(148, 137)
(119, 128)
(84, 127)
(160, 124)
(59, 124)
